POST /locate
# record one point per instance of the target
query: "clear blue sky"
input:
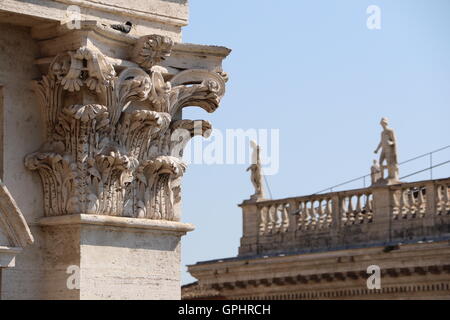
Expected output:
(313, 69)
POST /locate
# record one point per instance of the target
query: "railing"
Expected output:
(316, 212)
(273, 218)
(404, 212)
(313, 213)
(430, 168)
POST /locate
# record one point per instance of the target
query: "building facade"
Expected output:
(388, 241)
(92, 133)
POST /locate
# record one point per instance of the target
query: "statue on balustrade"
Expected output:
(256, 172)
(375, 172)
(388, 156)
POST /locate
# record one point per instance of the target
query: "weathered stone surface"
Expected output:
(116, 256)
(20, 115)
(14, 231)
(376, 215)
(165, 17)
(410, 271)
(113, 140)
(98, 130)
(321, 246)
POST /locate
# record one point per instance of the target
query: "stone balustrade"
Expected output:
(407, 212)
(409, 201)
(356, 207)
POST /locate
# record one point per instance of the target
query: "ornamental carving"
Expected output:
(114, 141)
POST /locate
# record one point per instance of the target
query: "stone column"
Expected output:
(104, 257)
(429, 220)
(380, 230)
(111, 165)
(250, 226)
(335, 229)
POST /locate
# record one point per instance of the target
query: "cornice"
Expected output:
(120, 222)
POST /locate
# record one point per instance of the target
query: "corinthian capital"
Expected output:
(109, 147)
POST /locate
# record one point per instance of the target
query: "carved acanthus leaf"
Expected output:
(87, 67)
(165, 165)
(194, 127)
(199, 88)
(85, 113)
(182, 131)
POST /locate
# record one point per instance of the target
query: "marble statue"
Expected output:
(256, 171)
(375, 172)
(388, 146)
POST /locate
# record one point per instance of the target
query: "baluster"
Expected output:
(359, 213)
(344, 213)
(321, 215)
(285, 216)
(280, 217)
(422, 205)
(404, 205)
(351, 210)
(263, 220)
(413, 203)
(272, 219)
(307, 216)
(329, 211)
(301, 215)
(440, 202)
(277, 217)
(446, 199)
(365, 210)
(313, 214)
(396, 201)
